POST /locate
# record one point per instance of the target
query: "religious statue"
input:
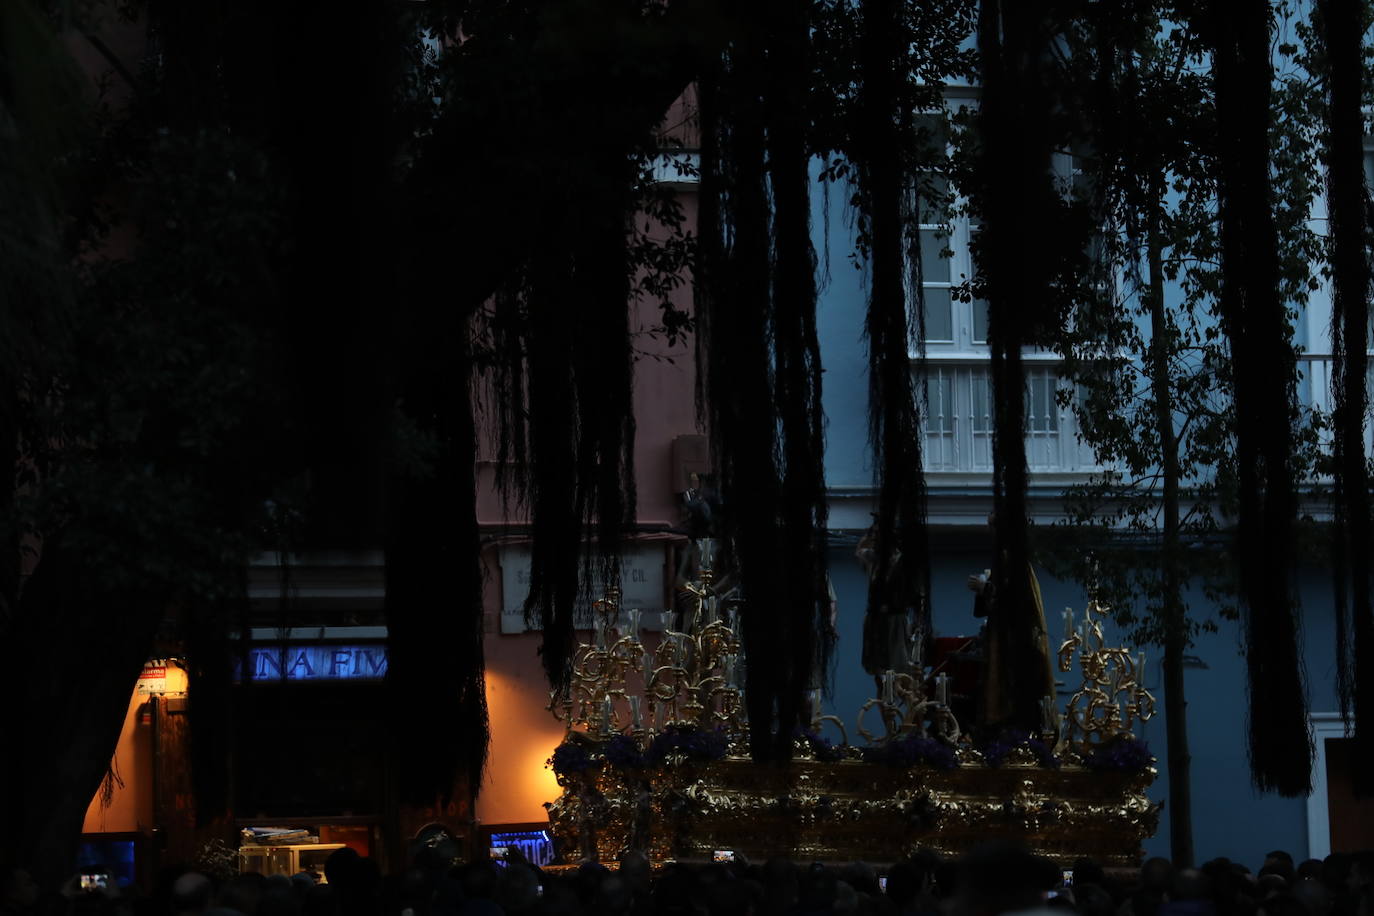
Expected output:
(892, 641)
(705, 548)
(1017, 670)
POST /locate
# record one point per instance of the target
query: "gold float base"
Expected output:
(848, 811)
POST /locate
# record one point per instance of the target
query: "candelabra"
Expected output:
(904, 707)
(1113, 695)
(692, 677)
(599, 673)
(689, 679)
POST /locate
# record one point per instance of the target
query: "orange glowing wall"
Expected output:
(131, 804)
(523, 731)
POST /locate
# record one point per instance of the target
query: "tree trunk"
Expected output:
(1263, 370)
(1350, 281)
(1172, 610)
(81, 655)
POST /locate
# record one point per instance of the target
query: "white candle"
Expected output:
(635, 616)
(942, 689)
(648, 669)
(887, 687)
(635, 718)
(1140, 668)
(1068, 624)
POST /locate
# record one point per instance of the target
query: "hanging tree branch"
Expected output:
(1348, 202)
(886, 147)
(1256, 323)
(759, 357)
(1014, 261)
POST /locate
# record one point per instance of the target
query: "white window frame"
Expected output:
(1324, 725)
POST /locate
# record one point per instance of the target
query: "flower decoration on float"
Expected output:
(1013, 744)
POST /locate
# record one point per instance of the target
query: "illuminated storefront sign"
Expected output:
(641, 584)
(317, 663)
(152, 680)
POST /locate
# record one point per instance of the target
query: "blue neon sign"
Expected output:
(317, 662)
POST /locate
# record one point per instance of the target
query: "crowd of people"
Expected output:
(990, 881)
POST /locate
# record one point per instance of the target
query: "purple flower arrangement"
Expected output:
(623, 753)
(995, 751)
(689, 742)
(571, 757)
(1124, 753)
(822, 748)
(904, 753)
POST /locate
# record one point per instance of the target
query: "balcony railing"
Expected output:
(1314, 391)
(958, 416)
(958, 419)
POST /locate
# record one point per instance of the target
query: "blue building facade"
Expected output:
(1229, 817)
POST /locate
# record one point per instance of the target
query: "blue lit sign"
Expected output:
(317, 662)
(535, 845)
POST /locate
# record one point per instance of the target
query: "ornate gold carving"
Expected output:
(831, 810)
(905, 709)
(1113, 696)
(853, 811)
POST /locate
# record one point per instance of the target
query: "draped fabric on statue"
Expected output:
(1348, 205)
(757, 349)
(885, 153)
(1263, 366)
(1014, 260)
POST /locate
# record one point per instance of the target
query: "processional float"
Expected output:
(655, 759)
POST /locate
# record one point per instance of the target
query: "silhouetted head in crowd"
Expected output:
(1282, 905)
(1313, 895)
(320, 900)
(279, 898)
(1093, 900)
(673, 893)
(861, 877)
(242, 892)
(905, 881)
(815, 889)
(780, 885)
(338, 868)
(18, 890)
(1361, 873)
(1192, 892)
(477, 879)
(1155, 874)
(1270, 882)
(517, 889)
(613, 897)
(190, 894)
(1279, 863)
(1002, 878)
(634, 868)
(1086, 871)
(735, 897)
(1309, 868)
